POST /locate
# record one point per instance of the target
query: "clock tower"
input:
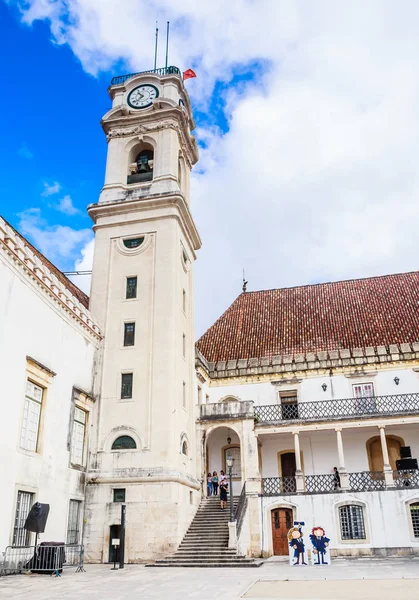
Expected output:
(143, 450)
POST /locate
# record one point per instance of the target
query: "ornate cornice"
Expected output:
(355, 360)
(23, 259)
(117, 126)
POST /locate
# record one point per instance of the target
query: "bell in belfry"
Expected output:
(142, 164)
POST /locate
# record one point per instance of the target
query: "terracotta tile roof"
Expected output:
(81, 296)
(357, 313)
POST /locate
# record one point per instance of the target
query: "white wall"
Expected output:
(319, 448)
(310, 390)
(386, 517)
(31, 324)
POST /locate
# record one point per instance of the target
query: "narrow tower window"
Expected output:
(126, 386)
(131, 291)
(184, 345)
(129, 334)
(184, 395)
(184, 301)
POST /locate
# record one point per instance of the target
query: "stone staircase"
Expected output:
(206, 542)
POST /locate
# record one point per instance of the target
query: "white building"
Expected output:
(48, 345)
(329, 379)
(109, 402)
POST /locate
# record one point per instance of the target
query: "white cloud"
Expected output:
(50, 189)
(59, 243)
(316, 178)
(24, 151)
(84, 264)
(66, 206)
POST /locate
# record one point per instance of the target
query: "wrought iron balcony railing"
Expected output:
(406, 479)
(342, 408)
(362, 481)
(366, 481)
(278, 486)
(320, 484)
(164, 71)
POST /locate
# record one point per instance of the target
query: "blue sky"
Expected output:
(307, 119)
(50, 128)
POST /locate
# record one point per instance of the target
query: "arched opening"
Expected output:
(222, 442)
(230, 399)
(124, 442)
(185, 448)
(375, 452)
(141, 164)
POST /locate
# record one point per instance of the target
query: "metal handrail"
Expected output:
(240, 510)
(278, 414)
(162, 72)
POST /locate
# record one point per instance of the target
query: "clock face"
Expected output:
(142, 96)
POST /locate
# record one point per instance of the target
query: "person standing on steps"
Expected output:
(223, 477)
(215, 483)
(223, 494)
(209, 484)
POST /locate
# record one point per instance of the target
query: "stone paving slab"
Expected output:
(361, 589)
(137, 582)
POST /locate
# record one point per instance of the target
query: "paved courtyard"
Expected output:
(360, 579)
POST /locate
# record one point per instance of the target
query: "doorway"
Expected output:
(281, 523)
(288, 465)
(375, 452)
(288, 468)
(114, 533)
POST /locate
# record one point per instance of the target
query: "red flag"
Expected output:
(188, 74)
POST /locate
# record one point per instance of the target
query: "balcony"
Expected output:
(362, 481)
(226, 410)
(161, 72)
(339, 409)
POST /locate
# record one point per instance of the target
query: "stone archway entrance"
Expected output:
(221, 442)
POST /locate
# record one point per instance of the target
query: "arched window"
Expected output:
(351, 519)
(414, 515)
(185, 448)
(124, 442)
(142, 169)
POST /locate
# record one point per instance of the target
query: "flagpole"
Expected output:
(155, 49)
(167, 43)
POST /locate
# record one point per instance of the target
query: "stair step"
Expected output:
(206, 565)
(205, 544)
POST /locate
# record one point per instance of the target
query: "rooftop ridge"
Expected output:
(80, 295)
(319, 283)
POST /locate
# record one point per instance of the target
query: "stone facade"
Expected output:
(159, 474)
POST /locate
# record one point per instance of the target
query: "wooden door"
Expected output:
(114, 533)
(288, 466)
(281, 524)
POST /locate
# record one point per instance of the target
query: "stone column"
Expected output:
(344, 478)
(251, 476)
(299, 477)
(388, 473)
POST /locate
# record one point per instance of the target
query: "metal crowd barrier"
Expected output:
(48, 557)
